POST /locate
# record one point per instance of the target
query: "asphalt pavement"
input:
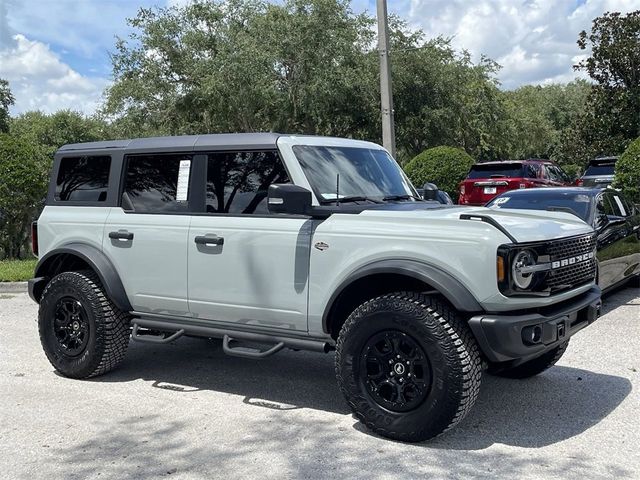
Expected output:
(188, 411)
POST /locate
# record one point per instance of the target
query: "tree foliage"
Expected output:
(6, 100)
(303, 66)
(444, 166)
(23, 183)
(611, 118)
(627, 172)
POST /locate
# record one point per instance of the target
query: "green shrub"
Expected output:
(574, 171)
(627, 172)
(444, 166)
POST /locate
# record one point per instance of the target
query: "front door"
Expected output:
(146, 237)
(247, 266)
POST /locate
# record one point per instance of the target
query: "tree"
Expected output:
(444, 166)
(23, 182)
(612, 116)
(301, 66)
(627, 172)
(51, 131)
(6, 100)
(245, 66)
(539, 115)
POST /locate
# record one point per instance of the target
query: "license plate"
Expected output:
(490, 190)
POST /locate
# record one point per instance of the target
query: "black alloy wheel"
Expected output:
(71, 326)
(395, 370)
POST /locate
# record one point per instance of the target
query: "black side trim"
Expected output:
(490, 221)
(97, 261)
(456, 293)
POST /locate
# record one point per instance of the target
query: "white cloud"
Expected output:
(534, 40)
(39, 80)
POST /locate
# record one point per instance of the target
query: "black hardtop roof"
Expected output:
(183, 142)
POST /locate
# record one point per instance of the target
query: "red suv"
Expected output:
(486, 180)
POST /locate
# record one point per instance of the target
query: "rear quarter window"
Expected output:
(83, 179)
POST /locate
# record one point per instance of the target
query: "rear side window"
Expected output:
(157, 183)
(238, 182)
(531, 170)
(83, 179)
(504, 170)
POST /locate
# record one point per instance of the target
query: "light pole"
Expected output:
(386, 97)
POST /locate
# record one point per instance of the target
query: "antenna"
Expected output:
(337, 189)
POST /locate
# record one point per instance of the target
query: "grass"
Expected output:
(17, 270)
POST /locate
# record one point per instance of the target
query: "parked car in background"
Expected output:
(489, 179)
(615, 219)
(599, 173)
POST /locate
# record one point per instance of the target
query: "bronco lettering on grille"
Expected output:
(572, 260)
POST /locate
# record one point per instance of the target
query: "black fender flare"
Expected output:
(98, 262)
(448, 286)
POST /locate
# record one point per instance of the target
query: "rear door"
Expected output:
(146, 236)
(247, 266)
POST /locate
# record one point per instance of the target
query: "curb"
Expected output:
(13, 287)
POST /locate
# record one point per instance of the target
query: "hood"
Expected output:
(522, 225)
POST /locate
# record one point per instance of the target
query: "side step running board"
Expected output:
(154, 338)
(248, 352)
(228, 336)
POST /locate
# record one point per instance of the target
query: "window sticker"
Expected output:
(500, 201)
(182, 190)
(622, 210)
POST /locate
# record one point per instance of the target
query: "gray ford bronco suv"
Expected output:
(271, 241)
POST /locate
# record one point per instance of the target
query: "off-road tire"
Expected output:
(108, 327)
(532, 367)
(449, 346)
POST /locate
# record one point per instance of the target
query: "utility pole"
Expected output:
(386, 97)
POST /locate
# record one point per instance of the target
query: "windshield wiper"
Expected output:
(353, 198)
(402, 197)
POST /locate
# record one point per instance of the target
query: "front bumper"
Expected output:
(520, 336)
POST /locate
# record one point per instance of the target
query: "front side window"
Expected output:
(157, 183)
(83, 179)
(364, 172)
(238, 182)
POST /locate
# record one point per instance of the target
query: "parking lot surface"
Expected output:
(186, 410)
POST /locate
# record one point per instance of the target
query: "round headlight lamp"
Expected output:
(521, 275)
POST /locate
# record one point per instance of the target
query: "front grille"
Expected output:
(579, 273)
(571, 247)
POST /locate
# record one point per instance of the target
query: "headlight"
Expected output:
(521, 273)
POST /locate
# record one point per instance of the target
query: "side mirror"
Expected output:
(430, 192)
(289, 199)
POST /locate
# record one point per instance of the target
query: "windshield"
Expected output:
(364, 172)
(577, 202)
(600, 169)
(496, 170)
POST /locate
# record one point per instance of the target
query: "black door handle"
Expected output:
(121, 235)
(209, 240)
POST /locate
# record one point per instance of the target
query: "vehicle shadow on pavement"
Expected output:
(287, 381)
(554, 406)
(557, 405)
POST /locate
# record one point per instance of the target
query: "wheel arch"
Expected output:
(75, 256)
(386, 276)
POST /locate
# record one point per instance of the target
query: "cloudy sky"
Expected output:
(55, 53)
